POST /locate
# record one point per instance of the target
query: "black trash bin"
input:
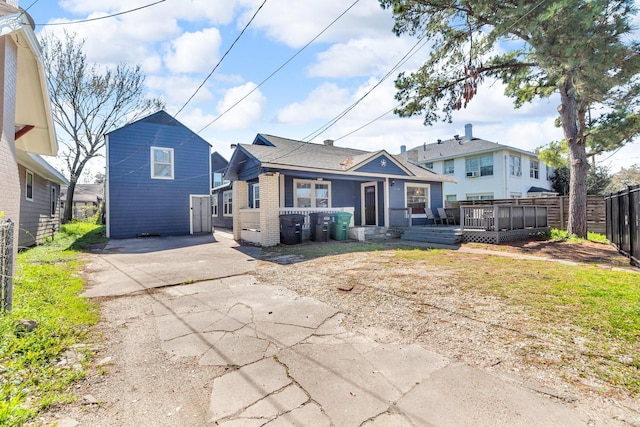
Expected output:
(319, 222)
(291, 228)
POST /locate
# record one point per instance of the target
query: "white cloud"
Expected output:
(296, 22)
(177, 89)
(195, 52)
(323, 102)
(362, 57)
(243, 115)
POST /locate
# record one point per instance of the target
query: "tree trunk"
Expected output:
(67, 215)
(572, 117)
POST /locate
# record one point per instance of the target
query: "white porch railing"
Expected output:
(502, 217)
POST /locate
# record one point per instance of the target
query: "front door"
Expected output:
(369, 195)
(200, 215)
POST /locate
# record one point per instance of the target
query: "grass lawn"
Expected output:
(46, 289)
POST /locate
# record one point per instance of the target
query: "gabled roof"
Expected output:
(454, 148)
(161, 117)
(33, 119)
(282, 153)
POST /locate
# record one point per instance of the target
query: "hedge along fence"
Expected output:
(623, 222)
(557, 210)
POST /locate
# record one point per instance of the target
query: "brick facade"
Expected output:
(240, 199)
(269, 209)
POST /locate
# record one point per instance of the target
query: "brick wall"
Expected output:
(9, 179)
(240, 200)
(269, 209)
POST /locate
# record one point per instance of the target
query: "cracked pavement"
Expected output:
(291, 361)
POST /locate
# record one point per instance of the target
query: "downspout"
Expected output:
(506, 177)
(386, 202)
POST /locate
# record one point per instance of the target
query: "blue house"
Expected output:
(158, 179)
(275, 176)
(221, 215)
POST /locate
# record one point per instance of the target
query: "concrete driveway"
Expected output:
(132, 265)
(290, 360)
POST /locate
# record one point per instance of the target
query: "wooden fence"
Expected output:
(557, 209)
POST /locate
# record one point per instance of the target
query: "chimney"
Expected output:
(468, 133)
(328, 142)
(403, 149)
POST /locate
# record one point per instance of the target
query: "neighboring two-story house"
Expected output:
(484, 169)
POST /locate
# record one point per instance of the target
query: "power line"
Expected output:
(222, 59)
(415, 48)
(277, 70)
(101, 17)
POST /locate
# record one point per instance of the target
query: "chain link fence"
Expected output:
(6, 264)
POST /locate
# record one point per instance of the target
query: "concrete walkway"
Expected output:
(293, 362)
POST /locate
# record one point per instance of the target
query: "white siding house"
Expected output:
(484, 169)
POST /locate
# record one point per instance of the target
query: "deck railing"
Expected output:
(502, 217)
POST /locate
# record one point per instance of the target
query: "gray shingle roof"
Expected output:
(305, 155)
(452, 148)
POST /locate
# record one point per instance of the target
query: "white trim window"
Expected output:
(256, 196)
(214, 205)
(54, 201)
(479, 196)
(449, 167)
(479, 166)
(534, 169)
(515, 165)
(161, 163)
(417, 198)
(311, 194)
(227, 203)
(28, 187)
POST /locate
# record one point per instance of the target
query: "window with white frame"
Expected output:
(417, 198)
(479, 196)
(161, 163)
(451, 197)
(312, 194)
(214, 205)
(428, 165)
(534, 169)
(515, 165)
(515, 195)
(28, 190)
(54, 201)
(479, 166)
(256, 196)
(227, 203)
(449, 168)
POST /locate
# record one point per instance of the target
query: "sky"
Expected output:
(298, 65)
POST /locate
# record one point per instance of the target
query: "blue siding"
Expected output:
(375, 166)
(138, 204)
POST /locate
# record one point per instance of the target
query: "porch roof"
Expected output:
(276, 153)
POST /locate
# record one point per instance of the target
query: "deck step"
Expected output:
(441, 235)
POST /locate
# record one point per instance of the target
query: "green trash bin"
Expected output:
(340, 226)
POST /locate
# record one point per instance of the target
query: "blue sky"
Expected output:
(178, 42)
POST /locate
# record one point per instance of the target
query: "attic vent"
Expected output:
(328, 142)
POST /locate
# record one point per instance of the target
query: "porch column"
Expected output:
(269, 209)
(240, 200)
(386, 202)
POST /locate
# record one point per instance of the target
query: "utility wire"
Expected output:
(221, 59)
(277, 70)
(415, 48)
(101, 17)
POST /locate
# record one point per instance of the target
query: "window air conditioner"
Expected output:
(472, 174)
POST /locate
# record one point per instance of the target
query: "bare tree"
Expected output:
(89, 101)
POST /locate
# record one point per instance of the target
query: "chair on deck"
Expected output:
(445, 216)
(431, 217)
